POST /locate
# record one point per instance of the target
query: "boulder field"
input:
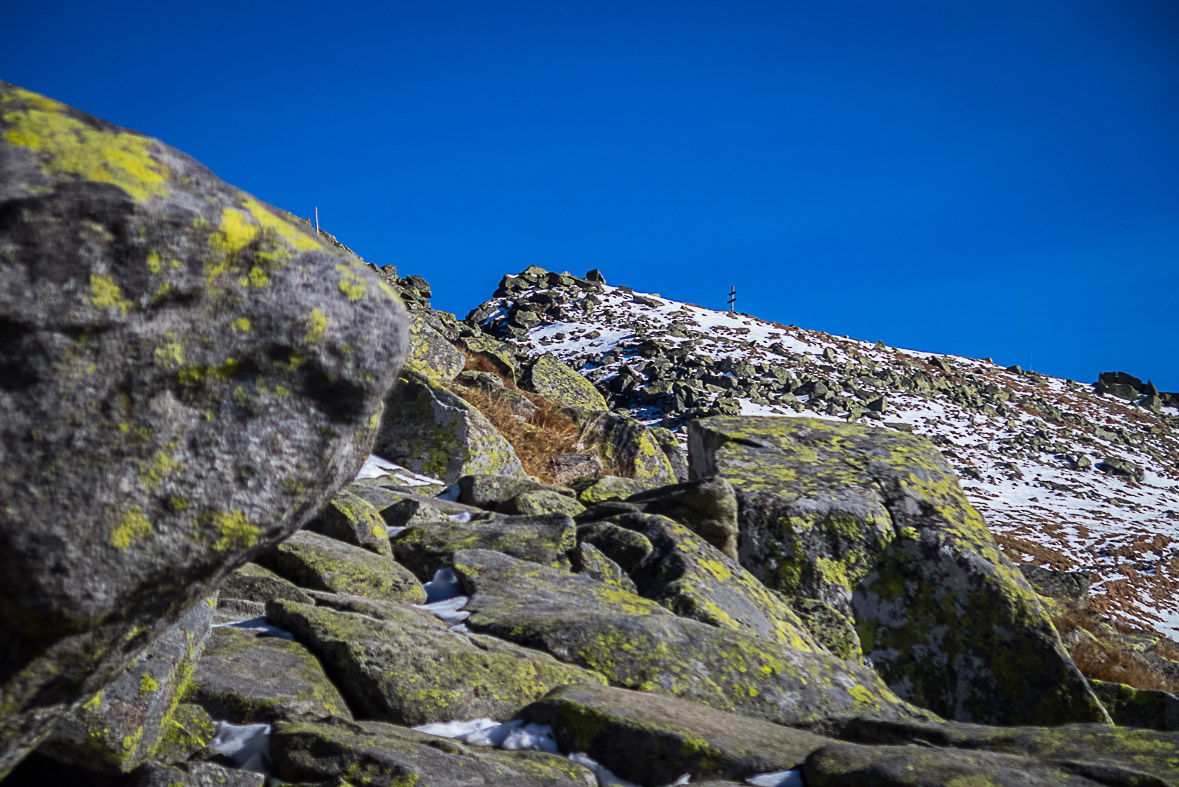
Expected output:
(209, 580)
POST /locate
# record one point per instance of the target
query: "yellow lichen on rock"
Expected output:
(133, 526)
(72, 147)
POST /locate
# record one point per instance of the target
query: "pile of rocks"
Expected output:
(209, 583)
(1130, 388)
(1064, 472)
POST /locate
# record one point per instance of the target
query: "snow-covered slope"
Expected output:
(1067, 478)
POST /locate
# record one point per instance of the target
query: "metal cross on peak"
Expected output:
(732, 298)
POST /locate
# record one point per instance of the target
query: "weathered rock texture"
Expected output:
(185, 375)
(873, 522)
(431, 430)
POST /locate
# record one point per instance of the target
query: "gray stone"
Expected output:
(707, 507)
(568, 469)
(492, 491)
(245, 678)
(384, 754)
(175, 390)
(408, 668)
(198, 774)
(321, 563)
(676, 737)
(874, 523)
(428, 429)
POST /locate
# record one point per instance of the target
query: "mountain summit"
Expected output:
(1070, 476)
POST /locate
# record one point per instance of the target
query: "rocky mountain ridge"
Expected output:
(1070, 476)
(268, 518)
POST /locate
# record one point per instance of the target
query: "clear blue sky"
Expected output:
(985, 178)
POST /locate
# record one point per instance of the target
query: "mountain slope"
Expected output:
(1067, 477)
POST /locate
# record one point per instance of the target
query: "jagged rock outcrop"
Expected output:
(186, 374)
(874, 523)
(1024, 444)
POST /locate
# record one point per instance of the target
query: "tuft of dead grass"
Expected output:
(1107, 659)
(538, 438)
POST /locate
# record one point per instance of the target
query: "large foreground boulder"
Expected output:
(873, 522)
(186, 374)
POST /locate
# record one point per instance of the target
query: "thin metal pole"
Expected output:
(317, 218)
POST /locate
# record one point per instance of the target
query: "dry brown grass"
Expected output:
(1167, 650)
(1106, 659)
(539, 438)
(481, 363)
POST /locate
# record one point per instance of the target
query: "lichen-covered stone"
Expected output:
(500, 354)
(188, 731)
(557, 382)
(1131, 707)
(624, 546)
(252, 582)
(409, 668)
(490, 492)
(707, 507)
(636, 643)
(849, 765)
(626, 446)
(186, 374)
(247, 679)
(314, 561)
(590, 561)
(676, 737)
(833, 629)
(1110, 755)
(348, 517)
(542, 502)
(121, 726)
(694, 579)
(198, 774)
(391, 756)
(431, 430)
(610, 487)
(428, 546)
(430, 354)
(874, 523)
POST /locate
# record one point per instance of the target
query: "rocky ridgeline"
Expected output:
(207, 581)
(1069, 476)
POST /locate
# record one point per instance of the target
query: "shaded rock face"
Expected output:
(122, 726)
(874, 523)
(185, 374)
(677, 736)
(376, 753)
(633, 448)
